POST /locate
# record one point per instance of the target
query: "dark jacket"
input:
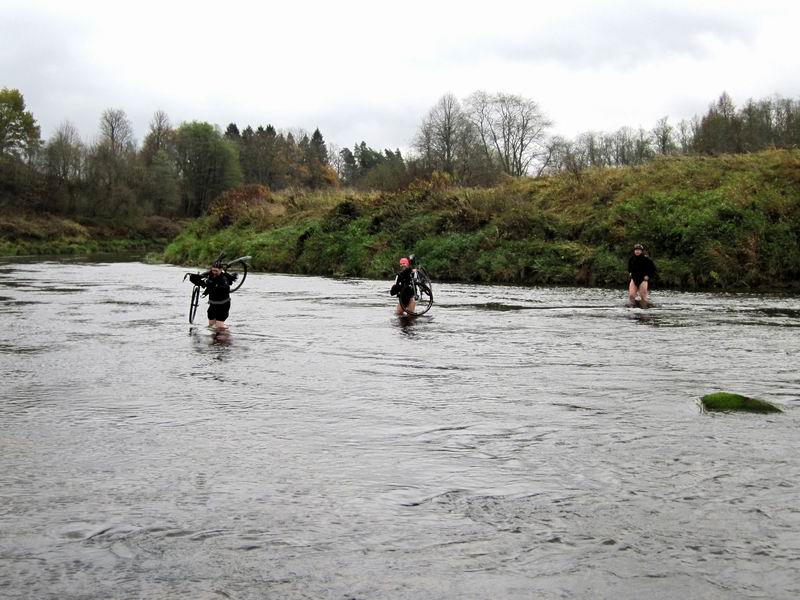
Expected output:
(639, 266)
(402, 287)
(218, 289)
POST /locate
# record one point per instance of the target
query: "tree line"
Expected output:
(176, 171)
(724, 129)
(477, 141)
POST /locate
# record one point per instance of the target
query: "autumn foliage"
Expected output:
(233, 205)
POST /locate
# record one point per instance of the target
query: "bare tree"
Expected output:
(336, 160)
(116, 130)
(622, 146)
(511, 129)
(159, 137)
(664, 137)
(685, 137)
(447, 120)
(642, 147)
(64, 153)
(110, 166)
(443, 138)
(423, 144)
(160, 127)
(591, 149)
(479, 107)
(564, 155)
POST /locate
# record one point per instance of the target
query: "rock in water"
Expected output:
(728, 401)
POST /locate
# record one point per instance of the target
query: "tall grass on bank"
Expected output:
(728, 222)
(24, 234)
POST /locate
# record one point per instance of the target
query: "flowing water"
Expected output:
(513, 443)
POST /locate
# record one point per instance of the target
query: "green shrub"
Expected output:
(708, 222)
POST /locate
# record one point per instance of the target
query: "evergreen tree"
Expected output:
(349, 166)
(232, 132)
(316, 159)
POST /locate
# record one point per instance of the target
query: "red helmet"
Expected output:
(404, 262)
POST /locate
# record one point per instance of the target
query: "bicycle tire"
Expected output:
(193, 303)
(423, 294)
(240, 268)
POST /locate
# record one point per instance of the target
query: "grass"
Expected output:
(728, 223)
(24, 234)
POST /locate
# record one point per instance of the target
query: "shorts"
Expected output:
(405, 295)
(219, 312)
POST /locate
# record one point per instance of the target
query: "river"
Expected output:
(513, 443)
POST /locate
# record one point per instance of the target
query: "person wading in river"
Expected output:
(218, 290)
(403, 288)
(642, 269)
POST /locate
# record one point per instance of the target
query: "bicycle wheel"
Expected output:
(239, 268)
(423, 294)
(193, 303)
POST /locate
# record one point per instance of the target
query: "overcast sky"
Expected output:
(371, 70)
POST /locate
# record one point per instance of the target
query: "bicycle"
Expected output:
(423, 289)
(237, 267)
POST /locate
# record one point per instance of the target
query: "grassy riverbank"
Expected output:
(727, 222)
(38, 234)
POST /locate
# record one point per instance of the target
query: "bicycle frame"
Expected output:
(423, 292)
(195, 297)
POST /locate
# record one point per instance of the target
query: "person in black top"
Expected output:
(642, 269)
(403, 288)
(218, 290)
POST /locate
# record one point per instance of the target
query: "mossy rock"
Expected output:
(728, 401)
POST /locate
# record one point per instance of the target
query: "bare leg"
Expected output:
(212, 323)
(632, 293)
(399, 311)
(643, 293)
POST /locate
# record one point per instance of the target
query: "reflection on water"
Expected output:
(409, 326)
(644, 316)
(206, 337)
(511, 443)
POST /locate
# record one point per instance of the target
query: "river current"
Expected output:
(512, 443)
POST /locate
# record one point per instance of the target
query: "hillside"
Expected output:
(37, 233)
(728, 222)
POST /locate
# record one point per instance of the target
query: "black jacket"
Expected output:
(639, 266)
(218, 289)
(402, 285)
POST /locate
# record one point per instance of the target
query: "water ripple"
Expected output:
(514, 442)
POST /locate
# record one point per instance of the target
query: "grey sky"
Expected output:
(363, 71)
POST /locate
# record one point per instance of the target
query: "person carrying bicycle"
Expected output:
(218, 289)
(403, 288)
